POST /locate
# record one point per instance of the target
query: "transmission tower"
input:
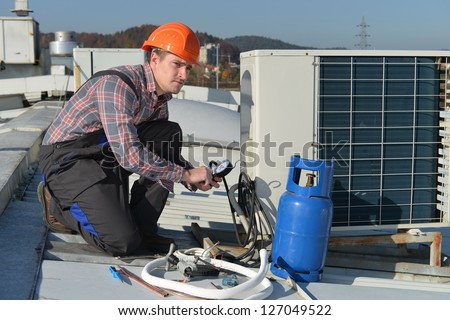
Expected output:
(362, 35)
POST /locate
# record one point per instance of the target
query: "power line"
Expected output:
(362, 35)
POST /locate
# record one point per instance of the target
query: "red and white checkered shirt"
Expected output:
(108, 102)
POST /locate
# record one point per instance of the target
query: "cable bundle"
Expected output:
(252, 216)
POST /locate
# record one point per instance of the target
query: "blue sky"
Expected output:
(393, 24)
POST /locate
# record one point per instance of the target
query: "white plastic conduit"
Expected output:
(256, 278)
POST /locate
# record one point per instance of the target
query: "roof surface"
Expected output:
(37, 264)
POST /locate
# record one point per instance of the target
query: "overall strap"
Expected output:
(121, 75)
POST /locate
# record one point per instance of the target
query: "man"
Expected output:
(114, 125)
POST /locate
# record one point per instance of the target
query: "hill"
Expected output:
(247, 43)
(135, 36)
(230, 50)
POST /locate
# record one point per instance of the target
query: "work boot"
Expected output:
(50, 221)
(156, 243)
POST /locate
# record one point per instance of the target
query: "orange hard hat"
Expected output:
(175, 38)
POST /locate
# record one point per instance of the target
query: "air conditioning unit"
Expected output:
(87, 61)
(381, 116)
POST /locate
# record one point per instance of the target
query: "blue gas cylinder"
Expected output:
(305, 214)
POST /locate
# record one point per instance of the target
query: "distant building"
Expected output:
(203, 55)
(208, 54)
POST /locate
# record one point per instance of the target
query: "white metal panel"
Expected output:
(18, 41)
(35, 84)
(219, 126)
(2, 42)
(324, 53)
(88, 61)
(224, 98)
(277, 110)
(106, 59)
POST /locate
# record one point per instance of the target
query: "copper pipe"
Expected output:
(132, 276)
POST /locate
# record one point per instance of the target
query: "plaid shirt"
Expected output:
(108, 103)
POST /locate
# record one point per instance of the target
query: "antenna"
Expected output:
(362, 35)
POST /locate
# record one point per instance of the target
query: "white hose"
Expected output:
(256, 278)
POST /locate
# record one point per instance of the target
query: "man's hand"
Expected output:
(202, 178)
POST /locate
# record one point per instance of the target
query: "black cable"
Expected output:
(256, 207)
(253, 211)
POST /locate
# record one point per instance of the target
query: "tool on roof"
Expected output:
(132, 276)
(257, 280)
(189, 269)
(230, 280)
(115, 273)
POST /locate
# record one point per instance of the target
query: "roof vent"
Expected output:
(21, 9)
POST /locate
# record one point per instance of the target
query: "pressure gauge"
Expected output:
(221, 169)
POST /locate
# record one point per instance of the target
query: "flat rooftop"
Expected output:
(38, 264)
